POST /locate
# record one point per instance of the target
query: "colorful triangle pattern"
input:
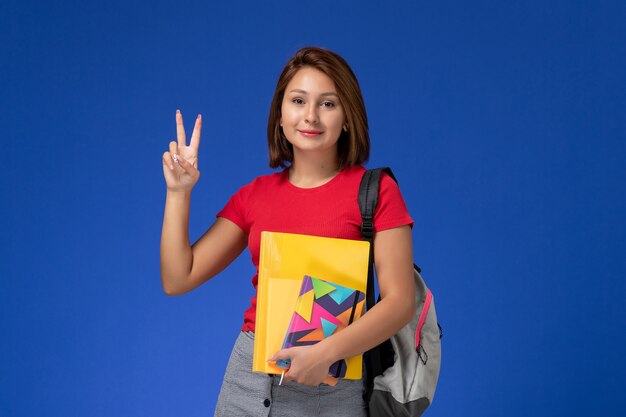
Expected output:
(322, 309)
(341, 294)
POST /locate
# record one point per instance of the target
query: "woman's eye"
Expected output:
(329, 104)
(297, 101)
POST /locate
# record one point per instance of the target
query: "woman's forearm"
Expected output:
(176, 253)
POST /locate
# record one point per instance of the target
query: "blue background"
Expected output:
(505, 123)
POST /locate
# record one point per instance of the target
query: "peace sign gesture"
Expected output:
(180, 163)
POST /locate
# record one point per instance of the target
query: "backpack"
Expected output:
(402, 372)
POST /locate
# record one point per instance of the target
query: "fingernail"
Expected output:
(175, 157)
(199, 116)
(171, 167)
(177, 111)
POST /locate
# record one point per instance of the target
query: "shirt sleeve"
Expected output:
(235, 209)
(391, 210)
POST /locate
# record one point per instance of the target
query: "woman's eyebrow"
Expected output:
(305, 93)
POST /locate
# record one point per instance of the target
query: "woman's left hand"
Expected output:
(308, 365)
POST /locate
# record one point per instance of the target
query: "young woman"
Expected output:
(318, 134)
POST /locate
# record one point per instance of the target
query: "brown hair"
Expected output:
(353, 145)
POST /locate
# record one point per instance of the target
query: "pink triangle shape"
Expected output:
(299, 324)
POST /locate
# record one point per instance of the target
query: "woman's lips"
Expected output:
(310, 133)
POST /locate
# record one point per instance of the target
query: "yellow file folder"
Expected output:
(284, 260)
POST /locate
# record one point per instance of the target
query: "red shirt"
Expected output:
(272, 203)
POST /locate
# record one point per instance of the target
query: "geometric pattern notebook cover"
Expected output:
(322, 309)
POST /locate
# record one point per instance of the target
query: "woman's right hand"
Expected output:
(180, 163)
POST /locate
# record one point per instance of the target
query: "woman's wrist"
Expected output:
(326, 351)
(178, 194)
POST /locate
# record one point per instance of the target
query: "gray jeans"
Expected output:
(250, 394)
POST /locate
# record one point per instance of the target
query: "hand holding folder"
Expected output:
(300, 354)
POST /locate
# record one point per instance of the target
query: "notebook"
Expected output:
(322, 309)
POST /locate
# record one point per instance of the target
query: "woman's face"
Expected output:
(312, 116)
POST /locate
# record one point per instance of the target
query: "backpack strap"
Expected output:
(368, 200)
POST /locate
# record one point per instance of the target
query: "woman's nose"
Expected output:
(311, 114)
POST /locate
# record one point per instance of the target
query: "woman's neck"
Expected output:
(313, 172)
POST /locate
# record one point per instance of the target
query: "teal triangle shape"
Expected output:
(341, 293)
(327, 327)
